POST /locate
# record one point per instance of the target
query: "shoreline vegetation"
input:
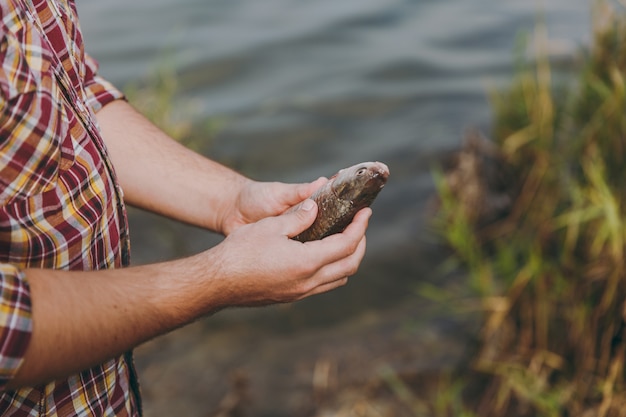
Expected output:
(537, 217)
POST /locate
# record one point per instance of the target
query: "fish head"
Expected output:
(360, 183)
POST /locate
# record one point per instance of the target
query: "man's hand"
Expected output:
(258, 200)
(262, 265)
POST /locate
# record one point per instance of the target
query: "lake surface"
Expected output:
(301, 89)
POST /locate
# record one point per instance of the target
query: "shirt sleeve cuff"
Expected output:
(99, 91)
(15, 321)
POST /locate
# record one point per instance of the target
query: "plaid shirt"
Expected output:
(60, 206)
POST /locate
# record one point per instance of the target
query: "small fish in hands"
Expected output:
(345, 193)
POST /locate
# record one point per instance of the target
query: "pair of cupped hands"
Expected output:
(265, 265)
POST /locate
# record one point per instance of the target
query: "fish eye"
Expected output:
(361, 171)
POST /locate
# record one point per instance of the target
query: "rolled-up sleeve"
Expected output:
(99, 91)
(16, 322)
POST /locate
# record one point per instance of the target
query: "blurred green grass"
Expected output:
(549, 266)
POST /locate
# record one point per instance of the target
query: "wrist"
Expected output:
(189, 288)
(230, 217)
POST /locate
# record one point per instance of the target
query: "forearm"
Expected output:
(90, 317)
(160, 175)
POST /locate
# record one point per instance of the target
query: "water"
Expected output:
(302, 89)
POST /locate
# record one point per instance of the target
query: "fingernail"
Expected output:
(307, 205)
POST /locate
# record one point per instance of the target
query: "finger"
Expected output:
(329, 286)
(338, 270)
(344, 267)
(359, 223)
(292, 194)
(294, 222)
(335, 247)
(306, 190)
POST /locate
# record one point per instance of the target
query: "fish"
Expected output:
(348, 191)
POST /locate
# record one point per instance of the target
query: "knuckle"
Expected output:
(351, 265)
(350, 246)
(305, 288)
(353, 269)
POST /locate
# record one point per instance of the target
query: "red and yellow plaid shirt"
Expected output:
(60, 206)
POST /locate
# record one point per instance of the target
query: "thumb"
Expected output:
(299, 218)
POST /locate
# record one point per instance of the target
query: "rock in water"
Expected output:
(347, 192)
